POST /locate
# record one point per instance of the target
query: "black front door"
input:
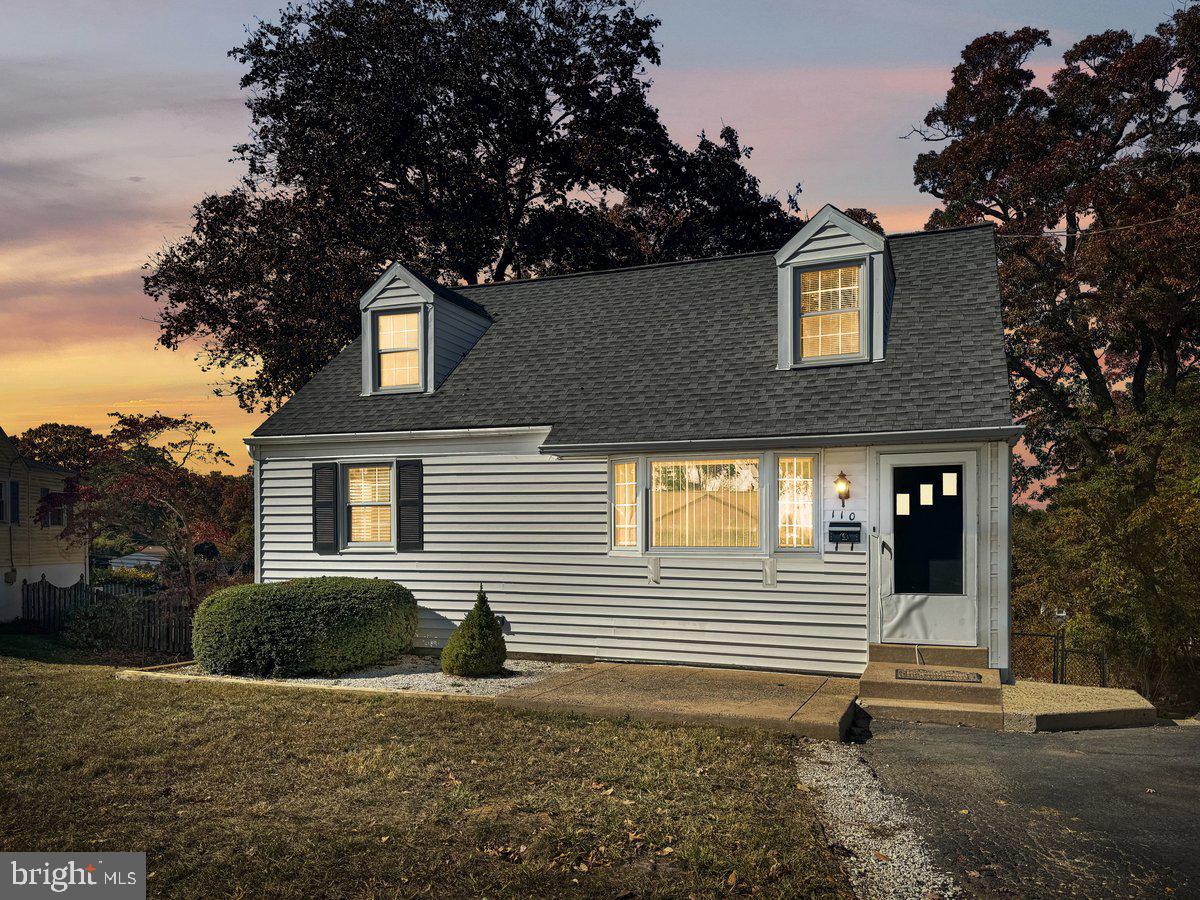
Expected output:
(928, 529)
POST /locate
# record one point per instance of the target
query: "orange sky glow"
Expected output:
(116, 119)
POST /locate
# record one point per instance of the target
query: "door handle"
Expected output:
(884, 545)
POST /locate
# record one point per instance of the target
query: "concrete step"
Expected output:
(928, 654)
(879, 681)
(975, 715)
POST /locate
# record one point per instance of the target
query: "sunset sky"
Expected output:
(116, 116)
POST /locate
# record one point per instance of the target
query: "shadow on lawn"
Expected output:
(19, 643)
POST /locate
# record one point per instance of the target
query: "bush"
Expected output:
(325, 626)
(477, 646)
(101, 624)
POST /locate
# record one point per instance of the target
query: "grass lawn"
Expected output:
(246, 792)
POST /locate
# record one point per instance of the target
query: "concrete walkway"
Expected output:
(808, 705)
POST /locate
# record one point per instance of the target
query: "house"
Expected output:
(145, 558)
(768, 460)
(29, 549)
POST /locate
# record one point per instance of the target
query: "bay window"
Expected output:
(736, 503)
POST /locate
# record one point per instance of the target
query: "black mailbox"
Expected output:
(845, 532)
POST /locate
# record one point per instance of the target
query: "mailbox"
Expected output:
(842, 531)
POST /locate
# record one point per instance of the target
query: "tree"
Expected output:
(75, 448)
(472, 139)
(140, 479)
(1124, 564)
(1092, 184)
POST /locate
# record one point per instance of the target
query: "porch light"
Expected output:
(841, 485)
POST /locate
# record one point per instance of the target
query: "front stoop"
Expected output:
(976, 704)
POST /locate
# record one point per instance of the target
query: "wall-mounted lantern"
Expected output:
(841, 486)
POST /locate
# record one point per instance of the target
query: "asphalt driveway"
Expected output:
(1093, 813)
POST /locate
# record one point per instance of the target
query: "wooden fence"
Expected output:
(149, 622)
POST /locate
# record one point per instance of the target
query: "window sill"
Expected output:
(831, 361)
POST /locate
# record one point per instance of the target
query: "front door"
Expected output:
(927, 555)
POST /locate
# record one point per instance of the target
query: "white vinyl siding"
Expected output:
(535, 531)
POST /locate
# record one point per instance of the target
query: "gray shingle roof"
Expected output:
(686, 351)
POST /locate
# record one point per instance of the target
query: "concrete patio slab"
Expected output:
(807, 705)
(1036, 706)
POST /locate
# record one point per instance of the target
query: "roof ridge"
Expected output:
(655, 265)
(923, 231)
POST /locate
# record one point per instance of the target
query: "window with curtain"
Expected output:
(398, 349)
(796, 502)
(830, 306)
(704, 503)
(369, 504)
(625, 505)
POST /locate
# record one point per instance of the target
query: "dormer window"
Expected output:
(831, 312)
(414, 332)
(398, 349)
(835, 284)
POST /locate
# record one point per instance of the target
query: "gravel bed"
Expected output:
(873, 830)
(424, 673)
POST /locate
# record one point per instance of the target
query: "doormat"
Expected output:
(930, 675)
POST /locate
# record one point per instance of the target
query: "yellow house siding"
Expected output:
(28, 543)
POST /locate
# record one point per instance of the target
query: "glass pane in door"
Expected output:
(928, 532)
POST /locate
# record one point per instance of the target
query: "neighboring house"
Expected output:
(765, 460)
(145, 558)
(30, 550)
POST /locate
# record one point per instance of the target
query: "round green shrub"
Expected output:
(477, 646)
(324, 626)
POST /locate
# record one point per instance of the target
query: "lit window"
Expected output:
(398, 348)
(796, 507)
(704, 502)
(625, 504)
(369, 504)
(830, 306)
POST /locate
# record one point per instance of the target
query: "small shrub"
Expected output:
(477, 646)
(325, 626)
(102, 624)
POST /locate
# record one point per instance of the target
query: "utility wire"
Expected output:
(1091, 231)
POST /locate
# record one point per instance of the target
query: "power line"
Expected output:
(1091, 231)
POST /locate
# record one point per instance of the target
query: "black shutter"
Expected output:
(324, 507)
(410, 504)
(14, 501)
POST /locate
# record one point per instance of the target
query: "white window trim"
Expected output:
(422, 347)
(344, 504)
(865, 301)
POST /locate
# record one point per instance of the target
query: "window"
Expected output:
(54, 516)
(369, 504)
(398, 349)
(831, 312)
(796, 502)
(710, 503)
(625, 505)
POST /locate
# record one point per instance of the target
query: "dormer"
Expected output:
(834, 286)
(414, 332)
